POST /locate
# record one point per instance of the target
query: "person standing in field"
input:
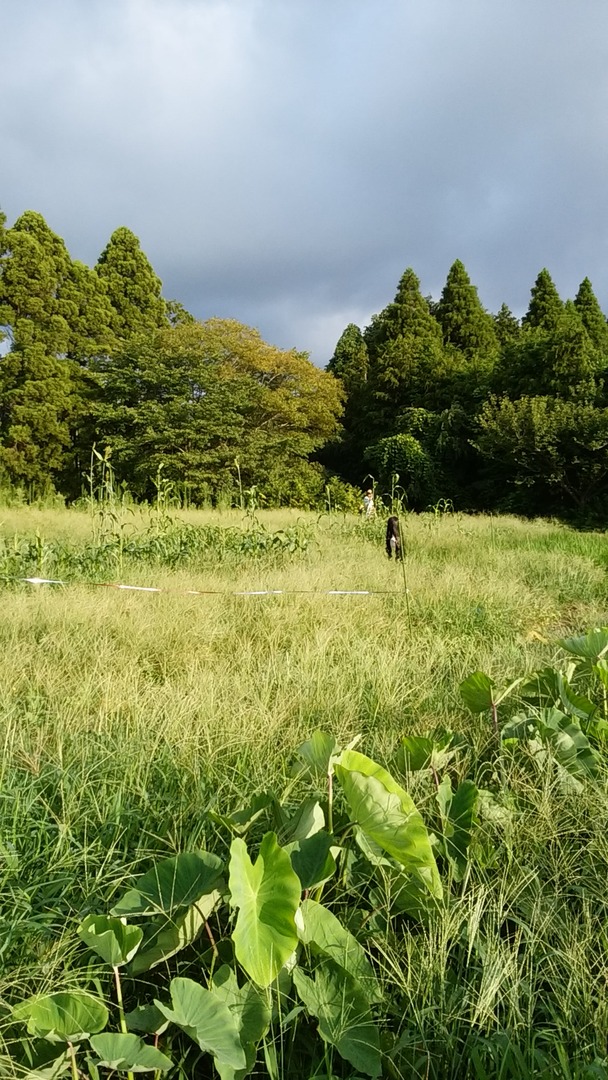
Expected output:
(368, 508)
(393, 538)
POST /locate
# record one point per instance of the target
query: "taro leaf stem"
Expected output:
(121, 1010)
(74, 1067)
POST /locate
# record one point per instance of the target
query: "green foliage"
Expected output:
(133, 289)
(464, 323)
(592, 317)
(165, 543)
(208, 1020)
(266, 894)
(476, 692)
(345, 1022)
(123, 1052)
(61, 1017)
(172, 884)
(549, 452)
(403, 454)
(188, 395)
(111, 939)
(388, 818)
(545, 305)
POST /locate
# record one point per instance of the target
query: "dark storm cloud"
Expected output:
(283, 161)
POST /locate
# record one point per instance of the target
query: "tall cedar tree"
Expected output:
(407, 363)
(507, 327)
(38, 388)
(133, 288)
(464, 322)
(545, 305)
(350, 360)
(37, 402)
(593, 318)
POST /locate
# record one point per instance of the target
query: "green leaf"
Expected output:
(111, 939)
(324, 934)
(576, 704)
(476, 692)
(315, 755)
(40, 1059)
(240, 821)
(207, 1020)
(307, 820)
(146, 1018)
(458, 815)
(124, 1052)
(338, 1002)
(251, 1012)
(65, 1015)
(171, 884)
(166, 936)
(389, 818)
(267, 895)
(569, 745)
(591, 646)
(416, 753)
(312, 859)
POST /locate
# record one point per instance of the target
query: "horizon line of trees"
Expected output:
(98, 358)
(486, 410)
(489, 411)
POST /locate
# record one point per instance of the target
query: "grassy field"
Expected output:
(127, 717)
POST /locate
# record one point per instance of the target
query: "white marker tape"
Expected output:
(208, 592)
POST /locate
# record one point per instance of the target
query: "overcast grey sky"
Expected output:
(283, 161)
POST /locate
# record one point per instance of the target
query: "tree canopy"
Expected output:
(486, 410)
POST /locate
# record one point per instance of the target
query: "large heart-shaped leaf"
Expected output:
(344, 1018)
(304, 823)
(146, 1018)
(251, 1011)
(418, 752)
(476, 692)
(207, 1020)
(569, 745)
(172, 884)
(267, 895)
(591, 646)
(128, 1053)
(315, 756)
(325, 935)
(313, 859)
(388, 817)
(62, 1016)
(166, 936)
(111, 938)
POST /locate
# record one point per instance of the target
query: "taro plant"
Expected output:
(246, 957)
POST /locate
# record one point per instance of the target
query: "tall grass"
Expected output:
(125, 718)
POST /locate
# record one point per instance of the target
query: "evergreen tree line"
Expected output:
(488, 411)
(95, 357)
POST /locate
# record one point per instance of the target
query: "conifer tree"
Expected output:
(545, 305)
(350, 359)
(134, 290)
(37, 401)
(407, 362)
(507, 326)
(34, 268)
(464, 322)
(594, 320)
